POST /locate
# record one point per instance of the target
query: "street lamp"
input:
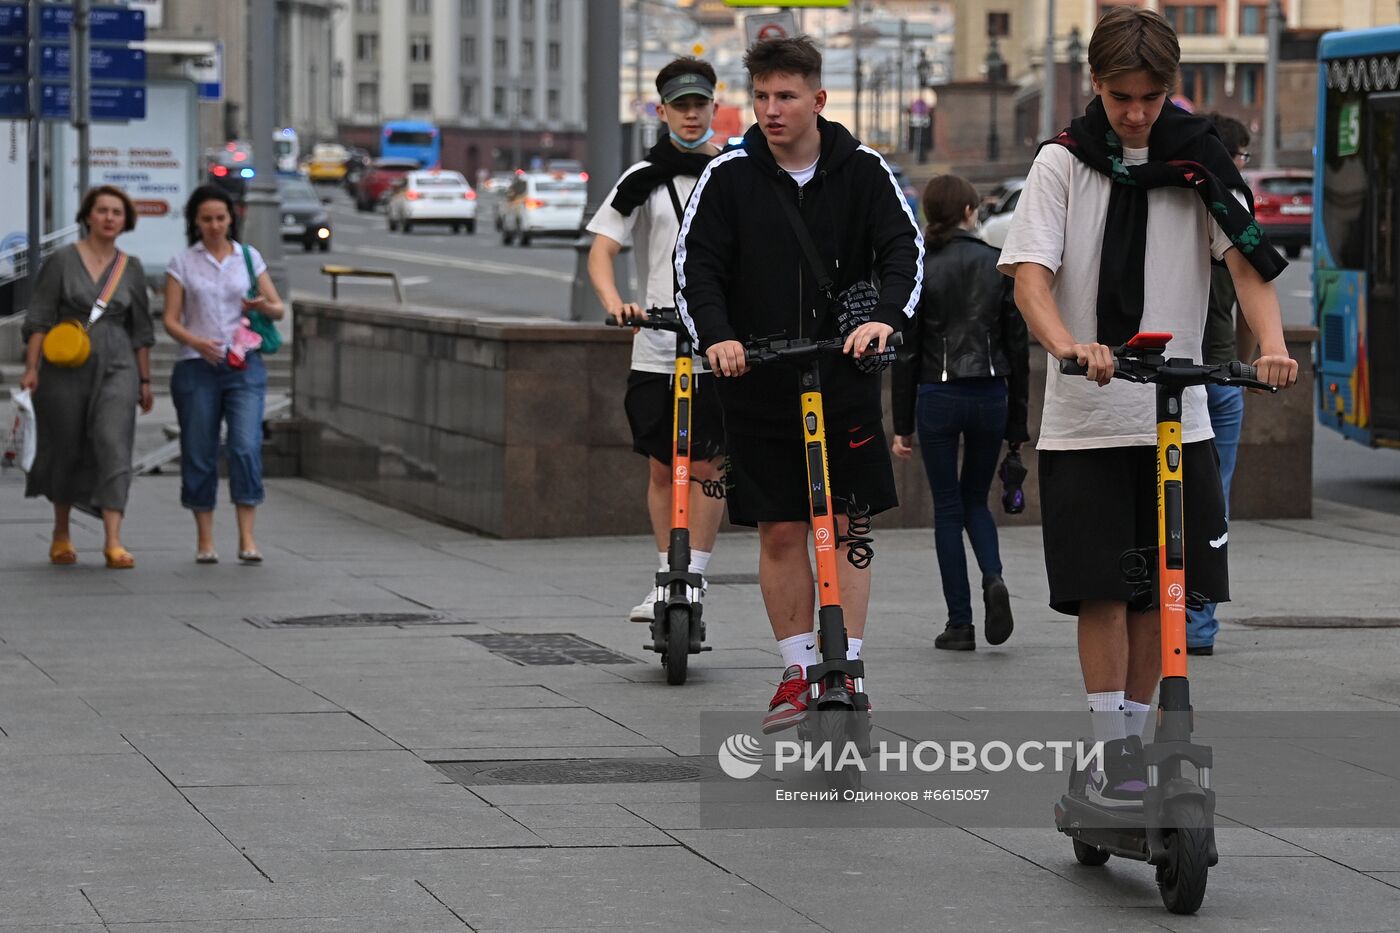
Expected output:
(919, 115)
(996, 75)
(1075, 50)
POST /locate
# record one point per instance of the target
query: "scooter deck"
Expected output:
(1119, 833)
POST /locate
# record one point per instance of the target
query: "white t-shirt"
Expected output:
(214, 291)
(1059, 223)
(654, 224)
(804, 175)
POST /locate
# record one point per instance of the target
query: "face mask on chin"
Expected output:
(695, 145)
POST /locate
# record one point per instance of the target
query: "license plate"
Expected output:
(1296, 209)
(444, 197)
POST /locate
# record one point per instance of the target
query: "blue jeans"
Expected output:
(973, 411)
(205, 397)
(1226, 419)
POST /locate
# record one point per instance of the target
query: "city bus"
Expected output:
(411, 139)
(1356, 243)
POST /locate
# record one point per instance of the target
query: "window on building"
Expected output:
(468, 98)
(552, 103)
(420, 7)
(468, 9)
(552, 11)
(527, 101)
(366, 6)
(420, 48)
(1199, 82)
(1252, 20)
(527, 10)
(498, 101)
(999, 25)
(367, 97)
(527, 53)
(502, 9)
(421, 97)
(469, 50)
(553, 56)
(1193, 20)
(367, 47)
(1248, 79)
(500, 52)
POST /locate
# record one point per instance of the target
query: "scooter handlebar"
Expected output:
(655, 319)
(1233, 373)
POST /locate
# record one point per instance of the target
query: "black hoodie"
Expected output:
(741, 274)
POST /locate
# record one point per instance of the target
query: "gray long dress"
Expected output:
(86, 416)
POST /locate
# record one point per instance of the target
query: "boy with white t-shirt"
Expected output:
(1114, 233)
(645, 208)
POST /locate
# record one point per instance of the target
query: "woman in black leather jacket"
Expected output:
(962, 377)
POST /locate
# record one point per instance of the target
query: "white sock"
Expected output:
(1134, 717)
(699, 561)
(1106, 716)
(665, 560)
(800, 650)
(853, 648)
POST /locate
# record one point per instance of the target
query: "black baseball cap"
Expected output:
(687, 84)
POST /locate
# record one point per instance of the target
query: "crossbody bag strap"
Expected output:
(109, 288)
(804, 239)
(675, 200)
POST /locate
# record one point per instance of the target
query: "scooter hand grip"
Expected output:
(895, 339)
(1240, 370)
(1073, 368)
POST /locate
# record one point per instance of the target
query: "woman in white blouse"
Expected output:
(206, 298)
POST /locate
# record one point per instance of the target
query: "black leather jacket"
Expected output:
(967, 326)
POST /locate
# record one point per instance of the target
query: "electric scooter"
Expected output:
(677, 630)
(839, 710)
(1176, 829)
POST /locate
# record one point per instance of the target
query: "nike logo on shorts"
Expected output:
(1221, 541)
(855, 444)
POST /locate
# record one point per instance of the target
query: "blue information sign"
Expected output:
(108, 23)
(109, 102)
(106, 63)
(14, 101)
(13, 22)
(13, 60)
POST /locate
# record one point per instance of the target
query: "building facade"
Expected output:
(502, 79)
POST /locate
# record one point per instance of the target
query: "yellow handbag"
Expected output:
(67, 344)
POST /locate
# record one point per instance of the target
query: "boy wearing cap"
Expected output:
(645, 206)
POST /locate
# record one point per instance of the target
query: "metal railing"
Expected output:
(14, 262)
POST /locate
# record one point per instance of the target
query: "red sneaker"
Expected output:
(789, 705)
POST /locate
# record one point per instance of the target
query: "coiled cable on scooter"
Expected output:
(860, 547)
(714, 488)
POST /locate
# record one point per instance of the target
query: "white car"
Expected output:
(432, 197)
(998, 222)
(543, 204)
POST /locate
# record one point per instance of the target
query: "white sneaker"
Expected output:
(645, 610)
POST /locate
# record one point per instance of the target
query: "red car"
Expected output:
(1283, 206)
(373, 187)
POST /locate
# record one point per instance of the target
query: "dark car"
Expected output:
(355, 167)
(230, 167)
(373, 189)
(304, 217)
(1283, 206)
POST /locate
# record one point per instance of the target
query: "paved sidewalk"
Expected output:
(168, 766)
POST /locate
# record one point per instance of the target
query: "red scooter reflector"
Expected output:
(1147, 341)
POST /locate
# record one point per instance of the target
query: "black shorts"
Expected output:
(1096, 504)
(766, 477)
(650, 411)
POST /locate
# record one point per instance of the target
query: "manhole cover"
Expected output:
(355, 619)
(548, 649)
(1320, 622)
(733, 579)
(574, 771)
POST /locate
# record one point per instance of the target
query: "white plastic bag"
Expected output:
(23, 441)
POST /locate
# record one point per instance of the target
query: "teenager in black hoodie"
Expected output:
(740, 274)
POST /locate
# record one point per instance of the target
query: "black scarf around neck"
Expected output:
(664, 162)
(1184, 151)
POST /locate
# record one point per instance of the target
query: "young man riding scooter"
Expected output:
(1117, 223)
(742, 274)
(645, 207)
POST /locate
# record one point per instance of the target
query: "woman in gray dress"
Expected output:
(86, 415)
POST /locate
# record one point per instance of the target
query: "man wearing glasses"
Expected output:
(1226, 338)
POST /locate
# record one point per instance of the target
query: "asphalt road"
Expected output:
(439, 268)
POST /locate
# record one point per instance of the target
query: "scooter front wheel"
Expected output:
(836, 727)
(1182, 880)
(677, 644)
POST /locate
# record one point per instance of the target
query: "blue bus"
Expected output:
(411, 139)
(1356, 235)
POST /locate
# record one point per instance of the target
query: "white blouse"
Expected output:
(214, 291)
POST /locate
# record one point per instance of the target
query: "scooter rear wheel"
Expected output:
(1182, 880)
(1089, 855)
(677, 644)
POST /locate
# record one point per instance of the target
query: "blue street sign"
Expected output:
(108, 23)
(109, 102)
(13, 22)
(107, 63)
(13, 60)
(14, 101)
